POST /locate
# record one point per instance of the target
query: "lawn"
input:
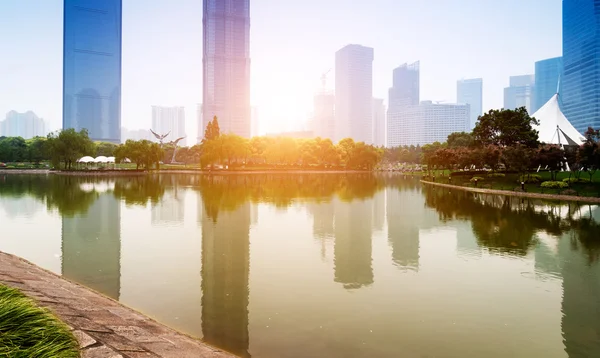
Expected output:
(29, 331)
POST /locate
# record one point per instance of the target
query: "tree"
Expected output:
(67, 146)
(589, 153)
(551, 157)
(143, 153)
(460, 139)
(212, 130)
(13, 149)
(105, 149)
(506, 127)
(518, 158)
(36, 150)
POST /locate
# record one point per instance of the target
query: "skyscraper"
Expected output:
(354, 93)
(26, 125)
(471, 92)
(378, 122)
(226, 65)
(169, 120)
(581, 60)
(520, 93)
(323, 121)
(547, 75)
(405, 86)
(92, 68)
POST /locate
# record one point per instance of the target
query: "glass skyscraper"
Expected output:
(471, 92)
(581, 63)
(547, 75)
(226, 65)
(92, 68)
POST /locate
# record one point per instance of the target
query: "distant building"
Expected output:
(201, 127)
(92, 68)
(580, 81)
(296, 134)
(354, 93)
(226, 65)
(26, 125)
(547, 76)
(323, 121)
(135, 134)
(471, 92)
(169, 120)
(405, 87)
(378, 122)
(255, 122)
(426, 123)
(520, 93)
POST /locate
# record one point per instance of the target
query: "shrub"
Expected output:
(496, 175)
(576, 180)
(554, 185)
(569, 192)
(474, 179)
(530, 178)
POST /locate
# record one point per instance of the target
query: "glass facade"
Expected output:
(520, 93)
(471, 92)
(92, 68)
(226, 65)
(547, 75)
(405, 86)
(581, 63)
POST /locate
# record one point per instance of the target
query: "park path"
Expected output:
(104, 328)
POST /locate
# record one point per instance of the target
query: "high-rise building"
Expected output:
(547, 77)
(426, 123)
(471, 92)
(354, 93)
(378, 122)
(323, 121)
(92, 68)
(226, 65)
(520, 93)
(581, 63)
(169, 120)
(405, 87)
(26, 125)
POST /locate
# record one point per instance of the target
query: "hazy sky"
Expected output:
(292, 43)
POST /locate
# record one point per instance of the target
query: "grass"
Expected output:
(29, 331)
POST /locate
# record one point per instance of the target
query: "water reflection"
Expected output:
(195, 253)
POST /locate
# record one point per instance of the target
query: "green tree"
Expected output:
(67, 146)
(518, 158)
(36, 150)
(506, 127)
(551, 157)
(588, 155)
(143, 153)
(13, 149)
(105, 149)
(460, 139)
(212, 130)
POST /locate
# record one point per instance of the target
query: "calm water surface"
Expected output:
(322, 265)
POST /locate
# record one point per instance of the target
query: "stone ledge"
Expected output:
(104, 327)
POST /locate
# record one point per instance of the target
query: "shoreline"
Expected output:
(131, 172)
(103, 326)
(584, 199)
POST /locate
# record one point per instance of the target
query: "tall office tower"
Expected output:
(26, 125)
(255, 122)
(426, 123)
(547, 77)
(324, 115)
(169, 120)
(471, 92)
(91, 244)
(354, 93)
(581, 60)
(378, 122)
(226, 65)
(520, 93)
(92, 68)
(405, 87)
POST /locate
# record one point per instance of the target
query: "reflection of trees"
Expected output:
(138, 190)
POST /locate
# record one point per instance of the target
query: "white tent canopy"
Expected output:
(554, 127)
(101, 159)
(86, 160)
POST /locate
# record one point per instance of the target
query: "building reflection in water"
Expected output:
(323, 214)
(170, 209)
(404, 218)
(379, 210)
(91, 246)
(353, 248)
(225, 275)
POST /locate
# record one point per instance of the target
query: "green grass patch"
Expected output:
(29, 331)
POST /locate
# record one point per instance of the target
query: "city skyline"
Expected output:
(287, 106)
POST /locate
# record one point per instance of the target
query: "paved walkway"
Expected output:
(104, 327)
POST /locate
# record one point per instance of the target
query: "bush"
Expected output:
(569, 192)
(576, 180)
(474, 179)
(554, 185)
(530, 178)
(496, 175)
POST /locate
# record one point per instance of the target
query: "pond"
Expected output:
(322, 265)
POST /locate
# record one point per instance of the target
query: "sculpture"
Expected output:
(174, 143)
(160, 137)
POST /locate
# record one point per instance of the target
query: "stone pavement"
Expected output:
(103, 327)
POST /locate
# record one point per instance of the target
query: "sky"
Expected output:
(291, 44)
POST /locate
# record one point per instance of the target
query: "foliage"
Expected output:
(67, 146)
(589, 153)
(552, 158)
(27, 330)
(554, 185)
(212, 131)
(36, 150)
(105, 149)
(576, 180)
(142, 152)
(460, 139)
(506, 127)
(477, 179)
(518, 158)
(13, 149)
(530, 178)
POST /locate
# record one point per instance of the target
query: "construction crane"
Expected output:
(324, 79)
